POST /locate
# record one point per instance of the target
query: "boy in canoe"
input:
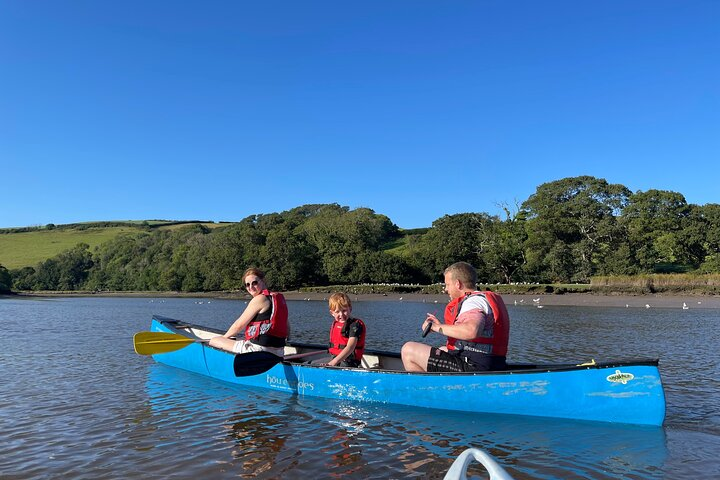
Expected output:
(347, 334)
(477, 327)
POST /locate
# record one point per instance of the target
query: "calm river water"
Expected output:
(77, 402)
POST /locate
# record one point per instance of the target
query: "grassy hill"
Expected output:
(22, 247)
(400, 246)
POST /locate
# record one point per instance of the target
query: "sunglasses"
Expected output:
(253, 283)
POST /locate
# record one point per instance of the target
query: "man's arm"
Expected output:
(467, 326)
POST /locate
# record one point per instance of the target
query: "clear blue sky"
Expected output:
(216, 110)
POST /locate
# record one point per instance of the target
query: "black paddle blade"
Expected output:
(427, 329)
(254, 363)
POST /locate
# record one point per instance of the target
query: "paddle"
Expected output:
(244, 364)
(151, 343)
(426, 330)
(255, 363)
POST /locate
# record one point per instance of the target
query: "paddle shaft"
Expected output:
(255, 363)
(302, 355)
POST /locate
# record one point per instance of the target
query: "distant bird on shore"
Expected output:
(685, 307)
(536, 300)
(647, 305)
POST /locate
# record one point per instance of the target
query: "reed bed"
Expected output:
(658, 283)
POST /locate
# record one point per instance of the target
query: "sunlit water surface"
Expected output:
(77, 402)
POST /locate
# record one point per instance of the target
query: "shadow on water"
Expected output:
(260, 433)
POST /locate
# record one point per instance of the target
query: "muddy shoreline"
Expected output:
(568, 299)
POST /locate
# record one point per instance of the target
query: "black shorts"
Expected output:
(442, 361)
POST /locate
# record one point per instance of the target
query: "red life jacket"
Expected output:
(339, 338)
(493, 340)
(270, 329)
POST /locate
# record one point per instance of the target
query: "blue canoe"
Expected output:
(620, 392)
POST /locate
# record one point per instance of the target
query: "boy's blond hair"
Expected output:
(339, 301)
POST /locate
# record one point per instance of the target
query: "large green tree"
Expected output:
(502, 247)
(340, 235)
(74, 267)
(288, 258)
(453, 238)
(571, 223)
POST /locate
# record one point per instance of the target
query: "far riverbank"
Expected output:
(541, 300)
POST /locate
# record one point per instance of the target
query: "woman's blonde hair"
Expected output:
(338, 301)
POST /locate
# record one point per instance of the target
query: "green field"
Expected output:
(29, 248)
(23, 249)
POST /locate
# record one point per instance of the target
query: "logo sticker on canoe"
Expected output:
(620, 377)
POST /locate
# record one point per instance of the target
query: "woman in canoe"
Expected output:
(265, 320)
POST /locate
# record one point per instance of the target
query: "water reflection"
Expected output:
(256, 438)
(251, 432)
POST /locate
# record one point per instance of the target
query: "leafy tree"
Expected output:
(654, 221)
(47, 275)
(380, 267)
(74, 266)
(570, 223)
(23, 278)
(340, 236)
(118, 262)
(232, 251)
(701, 236)
(453, 238)
(502, 247)
(710, 213)
(5, 280)
(288, 258)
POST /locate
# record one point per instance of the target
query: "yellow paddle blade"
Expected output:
(150, 343)
(591, 363)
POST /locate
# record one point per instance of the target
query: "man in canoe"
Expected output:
(477, 328)
(265, 320)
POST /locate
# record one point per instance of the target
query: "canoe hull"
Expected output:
(621, 392)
